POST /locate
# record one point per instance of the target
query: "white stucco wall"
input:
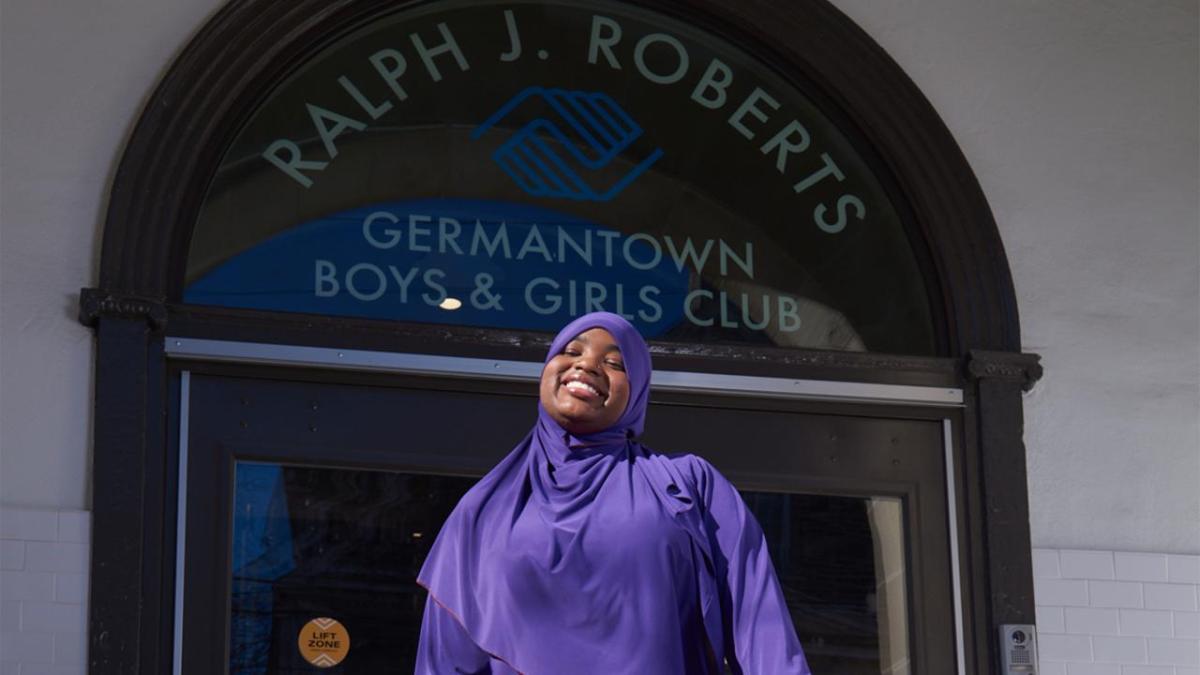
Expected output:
(73, 78)
(1080, 119)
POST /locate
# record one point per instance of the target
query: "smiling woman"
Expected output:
(584, 551)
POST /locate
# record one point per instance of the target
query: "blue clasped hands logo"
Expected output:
(564, 157)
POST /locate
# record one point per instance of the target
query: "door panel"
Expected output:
(313, 499)
(325, 542)
(880, 460)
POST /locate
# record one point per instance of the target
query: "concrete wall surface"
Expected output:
(1079, 117)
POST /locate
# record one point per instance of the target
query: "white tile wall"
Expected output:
(43, 591)
(1098, 612)
(1117, 613)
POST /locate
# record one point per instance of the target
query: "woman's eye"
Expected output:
(617, 364)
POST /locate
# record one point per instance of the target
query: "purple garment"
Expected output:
(593, 554)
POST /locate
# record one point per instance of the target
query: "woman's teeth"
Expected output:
(581, 386)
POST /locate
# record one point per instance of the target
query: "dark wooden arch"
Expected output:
(227, 69)
(248, 46)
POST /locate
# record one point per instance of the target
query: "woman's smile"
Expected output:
(581, 386)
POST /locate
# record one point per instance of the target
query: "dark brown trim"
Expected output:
(94, 303)
(998, 429)
(1023, 369)
(125, 605)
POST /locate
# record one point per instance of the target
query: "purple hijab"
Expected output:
(593, 554)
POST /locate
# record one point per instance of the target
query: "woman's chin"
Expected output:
(577, 423)
(576, 407)
(580, 415)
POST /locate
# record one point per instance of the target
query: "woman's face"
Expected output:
(585, 388)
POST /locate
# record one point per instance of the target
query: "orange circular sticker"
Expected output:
(324, 642)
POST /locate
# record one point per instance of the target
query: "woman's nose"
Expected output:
(588, 363)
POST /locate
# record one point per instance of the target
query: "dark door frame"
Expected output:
(222, 75)
(291, 415)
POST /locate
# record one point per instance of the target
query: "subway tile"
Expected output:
(1146, 623)
(1174, 652)
(10, 616)
(1115, 594)
(70, 588)
(1140, 566)
(56, 557)
(1107, 649)
(1187, 624)
(12, 555)
(1051, 668)
(1086, 564)
(70, 648)
(1187, 671)
(1065, 592)
(10, 523)
(1093, 669)
(1088, 621)
(52, 669)
(37, 586)
(52, 617)
(1183, 569)
(1147, 670)
(26, 647)
(1050, 620)
(1045, 563)
(10, 668)
(1181, 597)
(28, 524)
(1069, 648)
(76, 526)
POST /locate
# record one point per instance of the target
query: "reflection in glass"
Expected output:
(314, 542)
(840, 562)
(822, 253)
(319, 542)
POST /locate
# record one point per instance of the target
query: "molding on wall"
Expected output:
(1024, 368)
(95, 303)
(224, 323)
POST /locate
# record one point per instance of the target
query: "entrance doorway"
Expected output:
(315, 494)
(892, 251)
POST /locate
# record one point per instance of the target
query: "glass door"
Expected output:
(315, 501)
(346, 544)
(854, 504)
